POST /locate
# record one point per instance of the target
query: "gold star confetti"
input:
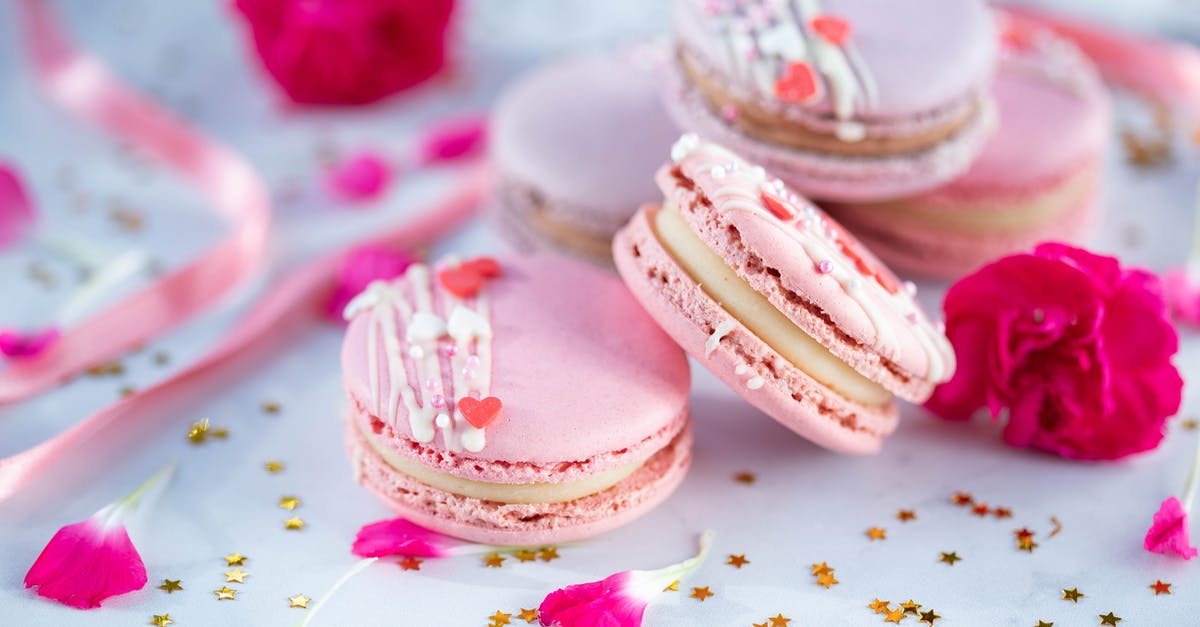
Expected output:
(701, 593)
(1002, 512)
(270, 407)
(235, 559)
(1073, 595)
(299, 601)
(236, 575)
(894, 616)
(273, 466)
(293, 524)
(1023, 534)
(107, 369)
(827, 580)
(126, 390)
(126, 219)
(1189, 424)
(525, 555)
(500, 618)
(1109, 619)
(1057, 527)
(495, 560)
(909, 607)
(219, 433)
(673, 587)
(876, 533)
(529, 616)
(548, 554)
(1160, 587)
(1026, 544)
(170, 585)
(906, 515)
(950, 558)
(737, 561)
(161, 358)
(1042, 623)
(980, 509)
(745, 477)
(821, 569)
(225, 593)
(962, 499)
(930, 617)
(289, 502)
(161, 620)
(758, 625)
(198, 432)
(879, 607)
(779, 621)
(409, 562)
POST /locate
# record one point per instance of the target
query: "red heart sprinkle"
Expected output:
(485, 266)
(480, 413)
(777, 207)
(868, 268)
(798, 83)
(466, 279)
(833, 29)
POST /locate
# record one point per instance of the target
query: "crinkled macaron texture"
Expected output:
(575, 144)
(1038, 179)
(810, 270)
(589, 384)
(918, 78)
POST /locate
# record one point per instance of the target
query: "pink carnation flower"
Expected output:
(399, 536)
(618, 600)
(1073, 348)
(360, 267)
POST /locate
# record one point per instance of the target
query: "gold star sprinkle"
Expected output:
(745, 477)
(529, 616)
(1109, 619)
(1026, 544)
(1073, 595)
(821, 569)
(980, 509)
(525, 555)
(1023, 534)
(495, 560)
(293, 524)
(500, 618)
(674, 587)
(409, 562)
(235, 559)
(289, 502)
(879, 607)
(198, 432)
(219, 433)
(962, 499)
(236, 575)
(779, 621)
(909, 607)
(1160, 587)
(950, 558)
(930, 617)
(1189, 424)
(894, 616)
(1002, 512)
(170, 585)
(1042, 623)
(827, 580)
(273, 466)
(225, 593)
(758, 625)
(701, 593)
(548, 554)
(737, 561)
(299, 601)
(876, 533)
(270, 407)
(161, 620)
(126, 390)
(161, 358)
(906, 515)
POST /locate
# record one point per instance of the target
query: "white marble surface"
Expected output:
(807, 505)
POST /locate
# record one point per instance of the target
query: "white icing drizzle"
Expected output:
(718, 333)
(809, 230)
(413, 357)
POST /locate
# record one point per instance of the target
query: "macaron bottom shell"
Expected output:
(533, 223)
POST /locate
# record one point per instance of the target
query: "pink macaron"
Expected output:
(853, 100)
(574, 145)
(1038, 178)
(778, 301)
(521, 402)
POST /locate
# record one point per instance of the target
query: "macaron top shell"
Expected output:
(811, 255)
(587, 131)
(916, 55)
(579, 367)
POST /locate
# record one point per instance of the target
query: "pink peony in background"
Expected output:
(1073, 348)
(341, 52)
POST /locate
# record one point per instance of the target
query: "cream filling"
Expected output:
(503, 492)
(757, 314)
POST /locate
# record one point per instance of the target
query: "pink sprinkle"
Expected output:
(729, 112)
(910, 288)
(432, 384)
(911, 317)
(473, 361)
(449, 349)
(468, 372)
(438, 401)
(825, 266)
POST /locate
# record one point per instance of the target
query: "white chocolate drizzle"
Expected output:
(718, 333)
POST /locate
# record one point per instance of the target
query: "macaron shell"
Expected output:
(787, 394)
(524, 524)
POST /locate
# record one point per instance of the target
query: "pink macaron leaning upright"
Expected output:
(1038, 178)
(778, 301)
(859, 100)
(520, 402)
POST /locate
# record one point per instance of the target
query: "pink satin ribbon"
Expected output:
(83, 86)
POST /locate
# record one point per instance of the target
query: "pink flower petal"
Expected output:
(16, 210)
(452, 139)
(17, 344)
(1168, 533)
(360, 267)
(401, 537)
(84, 564)
(1184, 296)
(364, 176)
